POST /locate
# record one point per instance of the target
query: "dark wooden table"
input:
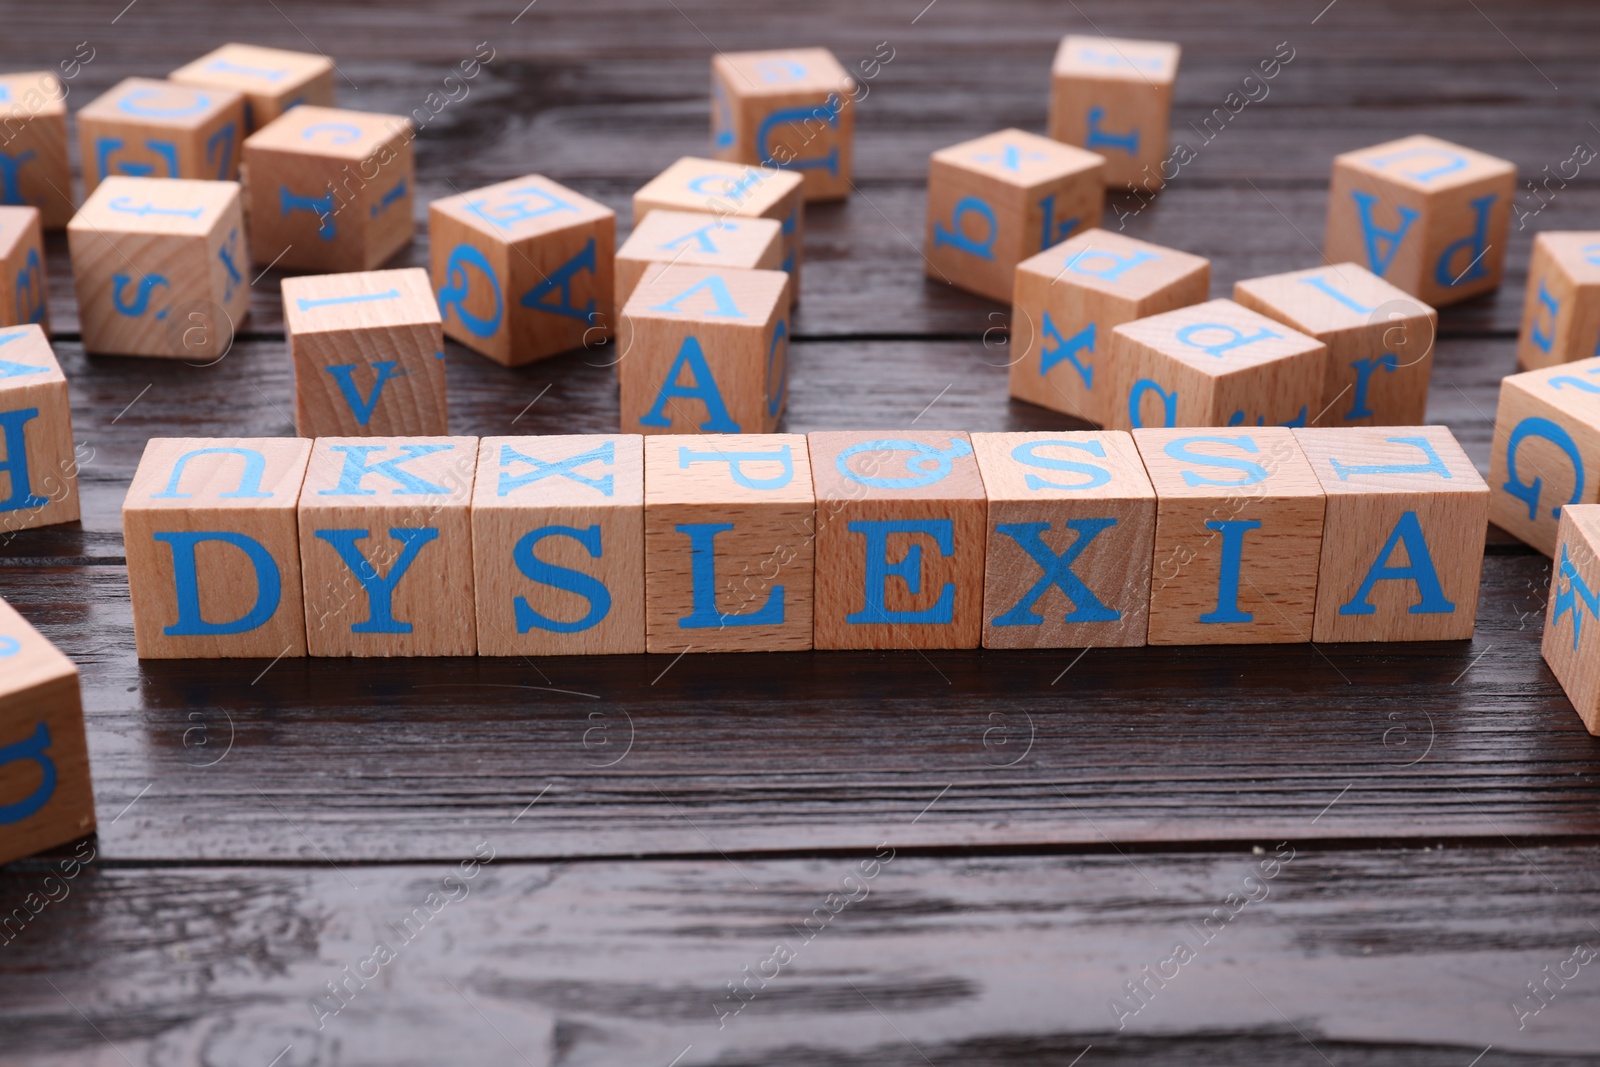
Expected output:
(1367, 851)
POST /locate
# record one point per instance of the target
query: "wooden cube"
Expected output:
(44, 759)
(34, 167)
(1426, 215)
(1072, 519)
(705, 349)
(1380, 340)
(1113, 96)
(996, 200)
(729, 540)
(161, 268)
(330, 190)
(1402, 540)
(213, 548)
(386, 546)
(691, 238)
(1069, 298)
(523, 269)
(272, 80)
(146, 128)
(1574, 606)
(1212, 364)
(901, 517)
(368, 352)
(558, 545)
(1561, 310)
(792, 108)
(24, 295)
(1238, 536)
(1546, 450)
(38, 463)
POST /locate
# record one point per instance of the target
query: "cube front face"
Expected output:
(1561, 309)
(271, 80)
(1546, 450)
(1072, 520)
(691, 238)
(1114, 96)
(213, 548)
(38, 462)
(558, 545)
(24, 293)
(722, 189)
(1069, 298)
(1571, 644)
(35, 170)
(792, 109)
(144, 128)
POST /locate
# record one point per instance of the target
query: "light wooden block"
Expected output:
(1069, 298)
(161, 268)
(1380, 340)
(1072, 519)
(996, 200)
(386, 546)
(1402, 540)
(330, 189)
(271, 80)
(705, 350)
(1238, 536)
(523, 269)
(24, 293)
(38, 462)
(1561, 309)
(1572, 618)
(213, 548)
(729, 543)
(34, 168)
(1113, 96)
(1426, 215)
(368, 353)
(1212, 364)
(1546, 450)
(146, 128)
(791, 108)
(44, 759)
(689, 237)
(901, 518)
(558, 545)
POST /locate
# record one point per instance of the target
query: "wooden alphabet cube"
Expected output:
(1072, 519)
(1070, 297)
(213, 547)
(272, 80)
(1238, 536)
(1561, 311)
(161, 268)
(731, 190)
(705, 349)
(691, 238)
(368, 352)
(1571, 643)
(1428, 216)
(1113, 96)
(145, 128)
(1212, 364)
(44, 759)
(792, 109)
(996, 200)
(901, 517)
(1402, 540)
(24, 294)
(1546, 451)
(330, 190)
(523, 269)
(38, 462)
(729, 543)
(386, 546)
(558, 545)
(1379, 338)
(34, 168)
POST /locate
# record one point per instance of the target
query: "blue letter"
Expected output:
(255, 467)
(703, 389)
(1364, 367)
(1098, 138)
(566, 468)
(1553, 307)
(725, 307)
(1419, 569)
(561, 278)
(356, 468)
(954, 235)
(935, 464)
(12, 425)
(1473, 243)
(33, 748)
(1097, 475)
(1232, 552)
(1434, 465)
(458, 286)
(380, 591)
(1082, 341)
(185, 576)
(1169, 403)
(1086, 607)
(1112, 272)
(1528, 493)
(1320, 284)
(1236, 339)
(734, 460)
(879, 570)
(1378, 259)
(703, 569)
(1253, 472)
(587, 586)
(1568, 599)
(362, 407)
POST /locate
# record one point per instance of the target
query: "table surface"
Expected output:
(1367, 852)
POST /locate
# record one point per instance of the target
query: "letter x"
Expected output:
(566, 468)
(1057, 571)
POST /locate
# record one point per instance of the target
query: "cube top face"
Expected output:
(161, 206)
(255, 71)
(30, 93)
(692, 238)
(560, 470)
(17, 224)
(1219, 337)
(1020, 159)
(1262, 461)
(889, 465)
(521, 209)
(1324, 301)
(333, 133)
(1426, 164)
(26, 358)
(152, 102)
(408, 472)
(330, 303)
(1122, 267)
(1076, 465)
(709, 295)
(1571, 388)
(767, 468)
(218, 473)
(1576, 252)
(710, 185)
(783, 72)
(1369, 460)
(27, 659)
(1117, 58)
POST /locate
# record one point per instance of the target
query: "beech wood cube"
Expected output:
(1571, 643)
(792, 108)
(35, 170)
(271, 80)
(1113, 96)
(24, 292)
(38, 461)
(1546, 451)
(731, 190)
(145, 128)
(691, 238)
(1561, 310)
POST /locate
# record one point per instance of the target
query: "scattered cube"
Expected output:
(558, 545)
(1546, 450)
(729, 526)
(272, 80)
(330, 190)
(1113, 96)
(995, 201)
(1070, 297)
(1575, 594)
(692, 238)
(34, 167)
(368, 352)
(38, 463)
(523, 269)
(386, 547)
(24, 296)
(705, 350)
(1561, 311)
(901, 518)
(791, 109)
(1402, 540)
(145, 128)
(1072, 519)
(161, 268)
(213, 548)
(1426, 215)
